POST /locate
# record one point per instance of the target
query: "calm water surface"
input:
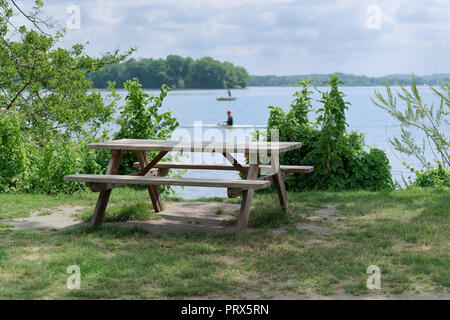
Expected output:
(251, 108)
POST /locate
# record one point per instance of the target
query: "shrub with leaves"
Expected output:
(30, 166)
(433, 178)
(339, 158)
(140, 118)
(430, 120)
(48, 109)
(14, 162)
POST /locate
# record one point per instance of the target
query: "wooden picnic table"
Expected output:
(153, 172)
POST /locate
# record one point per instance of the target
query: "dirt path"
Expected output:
(189, 217)
(177, 217)
(54, 219)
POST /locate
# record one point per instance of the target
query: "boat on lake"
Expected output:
(226, 98)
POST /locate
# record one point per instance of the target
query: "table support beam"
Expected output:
(153, 191)
(235, 163)
(149, 166)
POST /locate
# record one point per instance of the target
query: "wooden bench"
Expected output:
(112, 181)
(105, 183)
(264, 169)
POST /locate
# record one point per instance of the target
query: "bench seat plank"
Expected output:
(146, 180)
(180, 165)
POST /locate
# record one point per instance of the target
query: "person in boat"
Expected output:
(229, 93)
(229, 122)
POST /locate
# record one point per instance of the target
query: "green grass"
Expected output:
(405, 233)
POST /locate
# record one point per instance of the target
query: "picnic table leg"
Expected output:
(103, 198)
(278, 180)
(246, 204)
(152, 190)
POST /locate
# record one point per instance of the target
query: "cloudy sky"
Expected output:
(282, 37)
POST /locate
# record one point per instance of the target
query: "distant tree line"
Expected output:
(175, 71)
(348, 79)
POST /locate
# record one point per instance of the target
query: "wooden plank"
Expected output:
(288, 169)
(246, 202)
(103, 197)
(152, 172)
(194, 146)
(153, 191)
(204, 166)
(97, 187)
(145, 180)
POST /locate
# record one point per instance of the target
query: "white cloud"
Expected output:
(276, 37)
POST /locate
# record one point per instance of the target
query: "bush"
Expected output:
(30, 166)
(339, 159)
(52, 160)
(140, 118)
(56, 157)
(27, 165)
(439, 177)
(14, 163)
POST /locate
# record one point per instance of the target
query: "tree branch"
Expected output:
(32, 19)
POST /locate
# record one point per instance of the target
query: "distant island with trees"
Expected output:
(175, 71)
(206, 73)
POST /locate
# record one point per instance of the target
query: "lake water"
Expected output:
(251, 108)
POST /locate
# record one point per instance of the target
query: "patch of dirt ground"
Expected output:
(176, 217)
(319, 223)
(57, 219)
(189, 217)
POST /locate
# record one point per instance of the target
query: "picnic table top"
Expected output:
(194, 146)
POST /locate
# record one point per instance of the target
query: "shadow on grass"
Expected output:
(125, 212)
